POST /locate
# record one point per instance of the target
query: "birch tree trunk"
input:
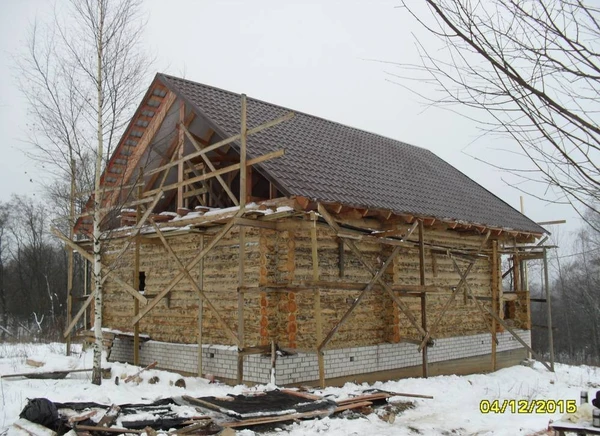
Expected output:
(97, 373)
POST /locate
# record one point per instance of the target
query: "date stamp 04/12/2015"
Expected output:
(528, 406)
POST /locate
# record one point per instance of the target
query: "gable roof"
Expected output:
(330, 162)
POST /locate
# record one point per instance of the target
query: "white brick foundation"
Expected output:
(222, 360)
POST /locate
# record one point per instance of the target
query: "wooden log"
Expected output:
(133, 376)
(49, 373)
(95, 428)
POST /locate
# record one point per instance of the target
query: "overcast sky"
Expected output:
(307, 55)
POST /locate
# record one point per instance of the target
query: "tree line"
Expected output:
(575, 299)
(33, 272)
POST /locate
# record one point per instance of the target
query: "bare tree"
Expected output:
(4, 210)
(82, 78)
(528, 69)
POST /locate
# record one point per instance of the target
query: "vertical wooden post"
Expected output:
(549, 309)
(317, 297)
(200, 307)
(240, 308)
(136, 274)
(516, 273)
(180, 154)
(243, 196)
(495, 285)
(273, 362)
(423, 294)
(70, 254)
(243, 168)
(341, 257)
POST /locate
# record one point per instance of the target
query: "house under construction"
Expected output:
(241, 236)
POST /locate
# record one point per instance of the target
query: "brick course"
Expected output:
(222, 360)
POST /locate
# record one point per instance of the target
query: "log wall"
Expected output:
(285, 258)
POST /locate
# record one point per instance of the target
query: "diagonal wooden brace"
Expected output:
(357, 301)
(224, 142)
(469, 292)
(401, 305)
(195, 285)
(152, 303)
(463, 280)
(134, 292)
(211, 166)
(136, 229)
(79, 313)
(446, 306)
(518, 338)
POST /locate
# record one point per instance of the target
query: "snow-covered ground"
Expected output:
(453, 411)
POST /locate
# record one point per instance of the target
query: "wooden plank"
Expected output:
(149, 132)
(224, 142)
(70, 255)
(79, 313)
(185, 271)
(518, 338)
(471, 295)
(240, 303)
(425, 369)
(108, 273)
(341, 259)
(357, 301)
(210, 165)
(94, 428)
(462, 282)
(136, 276)
(151, 304)
(401, 305)
(549, 310)
(195, 192)
(59, 372)
(304, 395)
(495, 300)
(317, 298)
(180, 149)
(243, 167)
(228, 169)
(133, 234)
(446, 306)
(256, 223)
(200, 307)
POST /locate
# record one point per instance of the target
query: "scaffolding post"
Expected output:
(549, 309)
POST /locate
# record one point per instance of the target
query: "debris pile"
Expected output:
(197, 416)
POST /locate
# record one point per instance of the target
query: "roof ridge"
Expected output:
(168, 76)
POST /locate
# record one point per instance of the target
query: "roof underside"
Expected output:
(329, 162)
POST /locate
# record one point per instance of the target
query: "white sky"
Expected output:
(308, 55)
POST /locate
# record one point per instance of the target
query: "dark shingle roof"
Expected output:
(330, 162)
